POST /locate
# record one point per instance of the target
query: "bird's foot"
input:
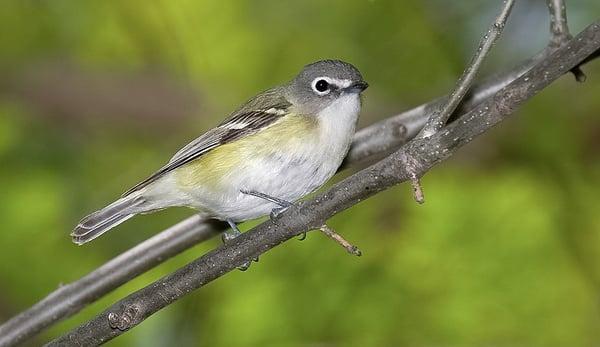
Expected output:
(231, 234)
(277, 211)
(283, 204)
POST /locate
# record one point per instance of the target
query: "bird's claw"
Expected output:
(276, 213)
(232, 234)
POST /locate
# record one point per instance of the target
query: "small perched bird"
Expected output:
(279, 146)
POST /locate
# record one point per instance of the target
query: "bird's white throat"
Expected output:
(338, 122)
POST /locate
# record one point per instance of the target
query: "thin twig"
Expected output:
(412, 166)
(350, 248)
(415, 182)
(439, 119)
(312, 213)
(559, 30)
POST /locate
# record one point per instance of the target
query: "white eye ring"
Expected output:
(320, 80)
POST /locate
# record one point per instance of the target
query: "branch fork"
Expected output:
(439, 117)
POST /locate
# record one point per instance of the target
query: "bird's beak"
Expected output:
(357, 87)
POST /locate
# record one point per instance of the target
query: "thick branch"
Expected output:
(313, 213)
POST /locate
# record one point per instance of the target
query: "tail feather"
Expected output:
(105, 219)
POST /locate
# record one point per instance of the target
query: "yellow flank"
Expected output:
(209, 170)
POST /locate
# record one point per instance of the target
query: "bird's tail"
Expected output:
(105, 219)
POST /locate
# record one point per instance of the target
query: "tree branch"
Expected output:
(559, 30)
(370, 144)
(313, 213)
(71, 298)
(439, 118)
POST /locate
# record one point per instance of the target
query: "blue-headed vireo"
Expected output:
(279, 146)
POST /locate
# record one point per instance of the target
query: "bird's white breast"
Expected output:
(286, 173)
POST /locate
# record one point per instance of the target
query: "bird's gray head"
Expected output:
(322, 82)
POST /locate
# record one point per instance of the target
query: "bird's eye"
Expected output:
(321, 86)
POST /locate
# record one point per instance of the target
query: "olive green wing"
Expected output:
(255, 115)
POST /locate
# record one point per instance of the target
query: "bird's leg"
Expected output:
(232, 233)
(283, 205)
(229, 235)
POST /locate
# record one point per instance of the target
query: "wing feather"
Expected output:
(255, 115)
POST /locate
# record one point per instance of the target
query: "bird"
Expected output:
(278, 147)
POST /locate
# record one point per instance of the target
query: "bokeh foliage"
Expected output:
(505, 252)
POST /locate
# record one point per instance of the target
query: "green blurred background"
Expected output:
(95, 95)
